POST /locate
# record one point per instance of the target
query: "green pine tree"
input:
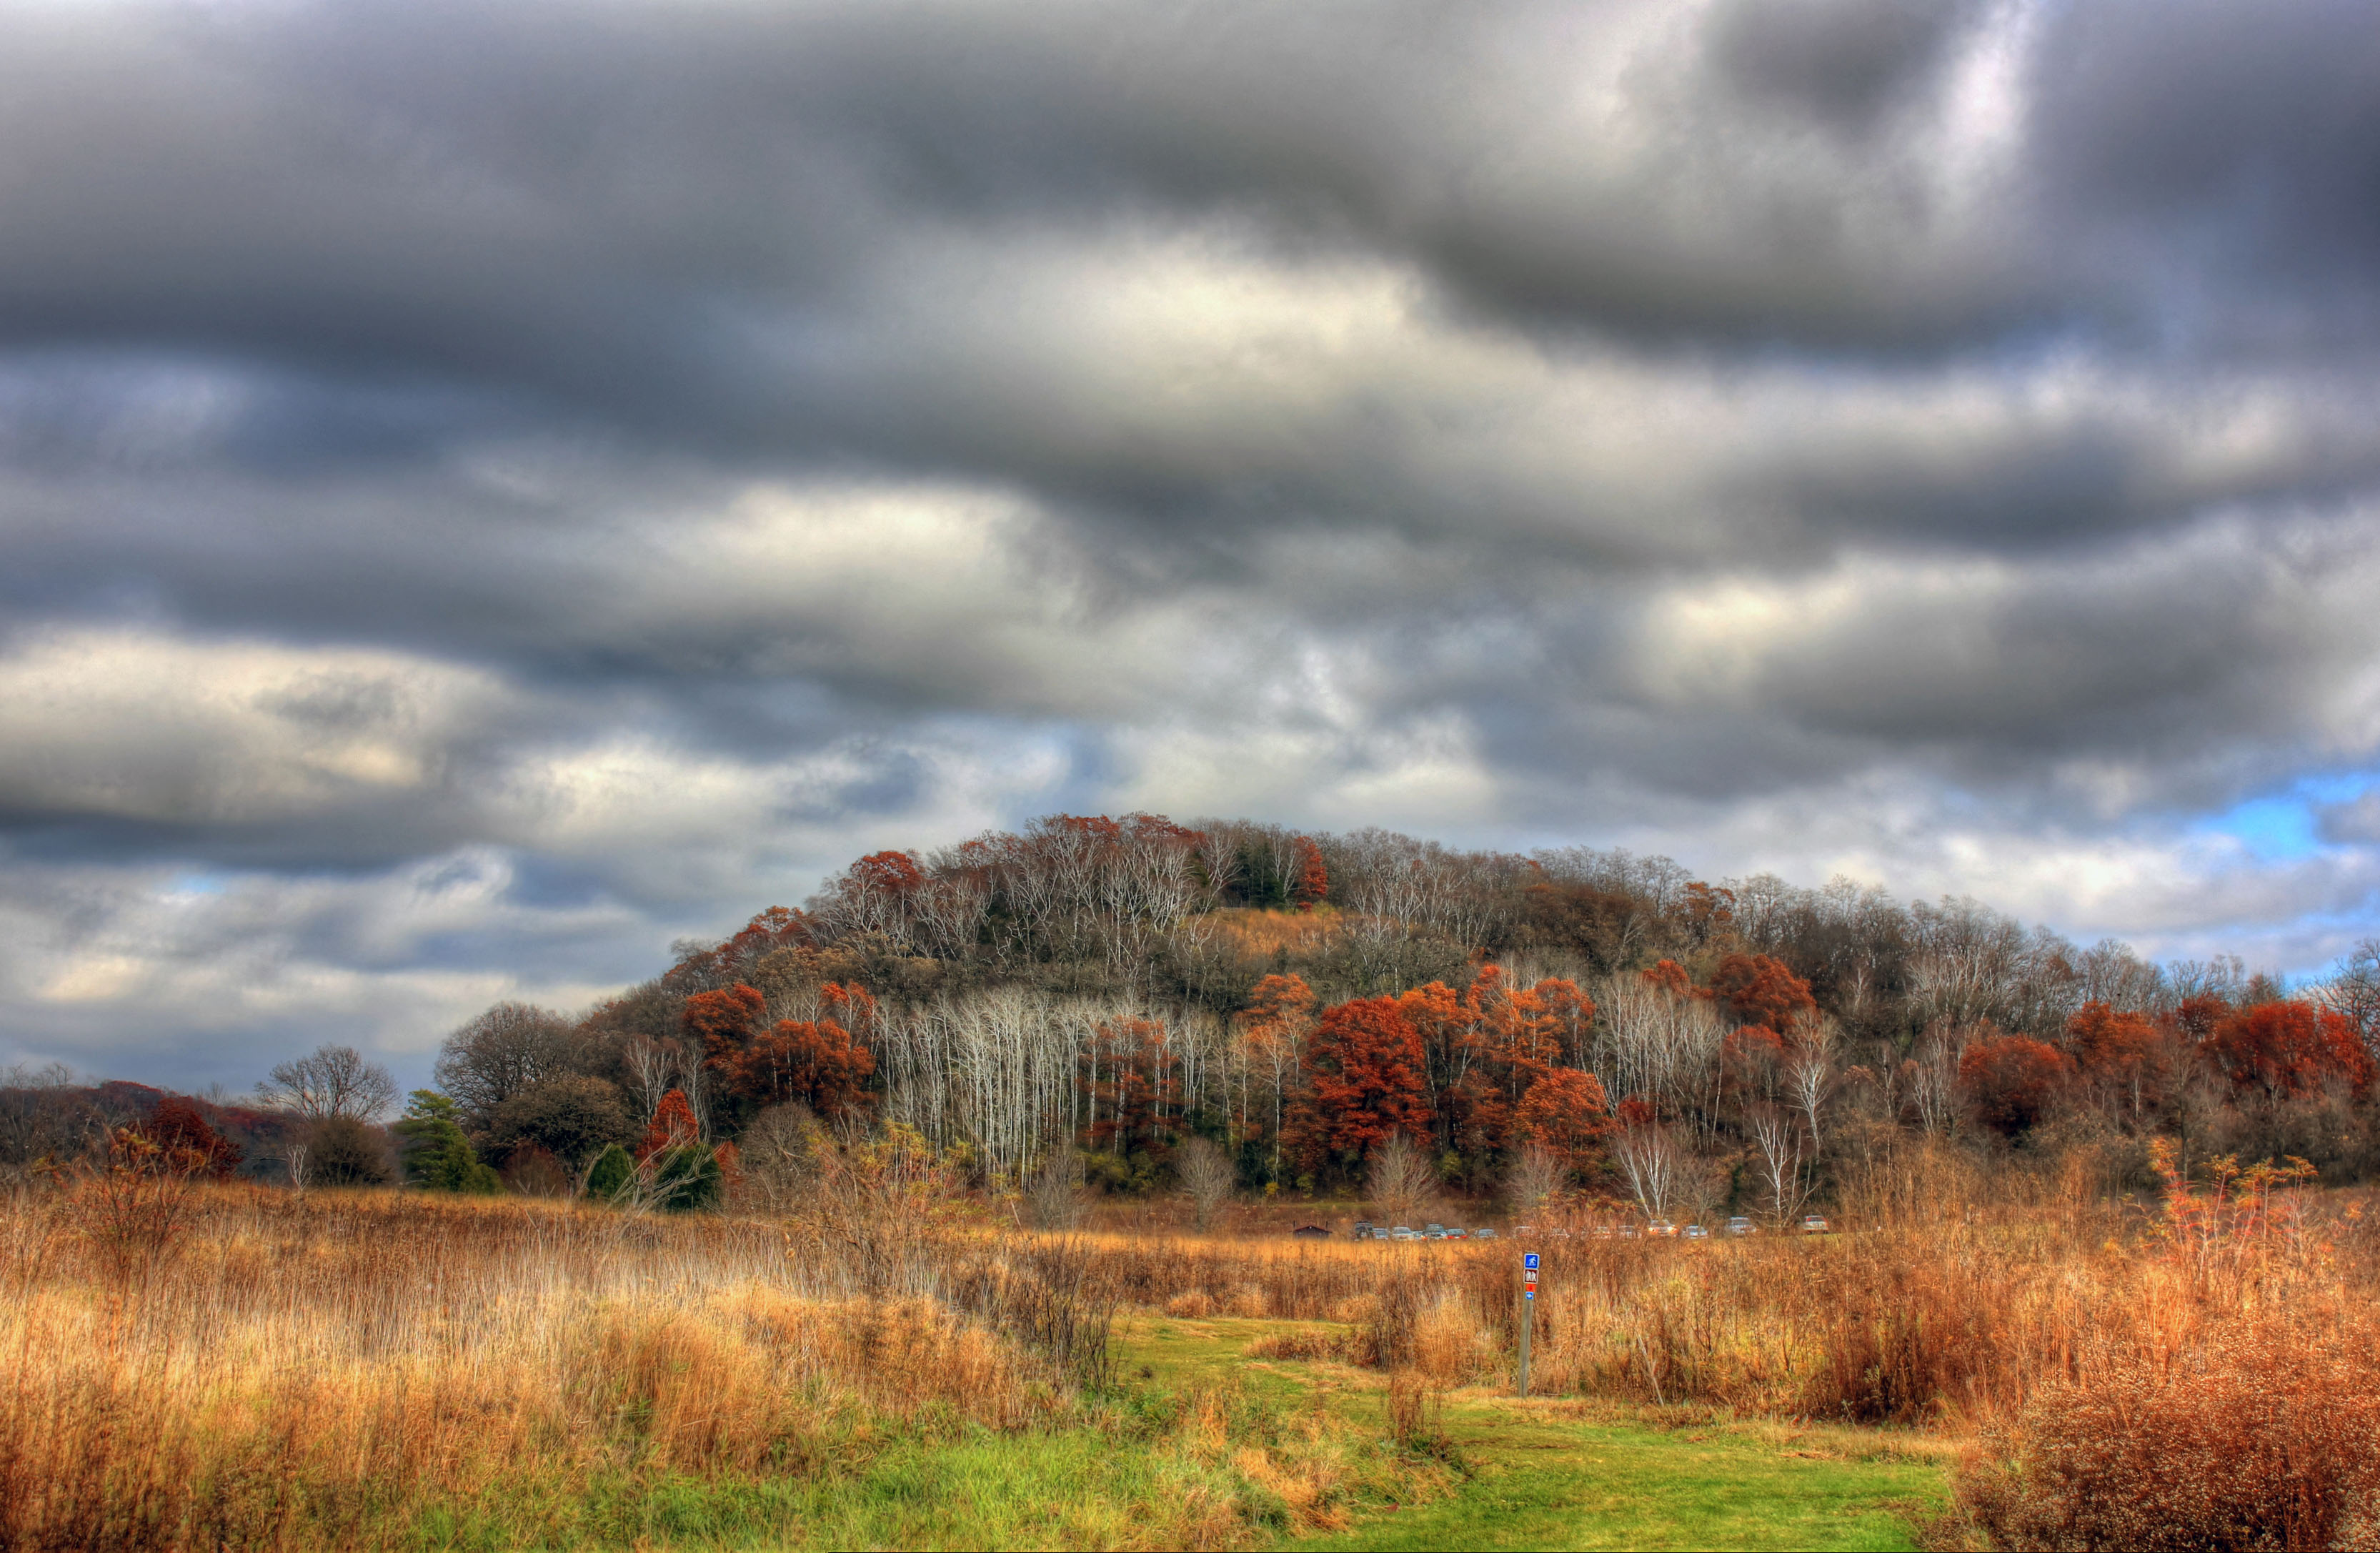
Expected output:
(436, 1155)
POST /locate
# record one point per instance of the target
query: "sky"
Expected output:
(486, 491)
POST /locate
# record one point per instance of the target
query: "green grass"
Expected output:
(1536, 1474)
(1074, 1489)
(1553, 1475)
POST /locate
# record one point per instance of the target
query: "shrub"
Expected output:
(685, 1180)
(2264, 1435)
(341, 1151)
(613, 1169)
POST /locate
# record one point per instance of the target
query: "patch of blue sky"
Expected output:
(2286, 826)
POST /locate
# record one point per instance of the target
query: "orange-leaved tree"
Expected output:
(1309, 881)
(1764, 991)
(1272, 1031)
(1363, 1082)
(1565, 1113)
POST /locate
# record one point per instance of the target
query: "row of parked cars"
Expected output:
(1656, 1229)
(1365, 1230)
(1662, 1229)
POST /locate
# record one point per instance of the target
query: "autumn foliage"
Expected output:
(1365, 1063)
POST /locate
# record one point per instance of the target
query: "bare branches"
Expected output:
(332, 1081)
(1536, 1174)
(1401, 1177)
(1208, 1176)
(1783, 1160)
(1652, 1166)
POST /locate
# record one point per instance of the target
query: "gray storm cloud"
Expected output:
(486, 491)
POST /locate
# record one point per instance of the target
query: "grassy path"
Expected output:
(1564, 1474)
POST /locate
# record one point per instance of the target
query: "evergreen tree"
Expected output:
(435, 1154)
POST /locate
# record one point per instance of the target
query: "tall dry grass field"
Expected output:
(300, 1371)
(2193, 1371)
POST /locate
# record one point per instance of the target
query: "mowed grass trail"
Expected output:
(1566, 1475)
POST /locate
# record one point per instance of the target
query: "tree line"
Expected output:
(1135, 999)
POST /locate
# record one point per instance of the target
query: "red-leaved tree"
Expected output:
(673, 1127)
(1364, 1081)
(2284, 1050)
(2010, 1079)
(176, 1127)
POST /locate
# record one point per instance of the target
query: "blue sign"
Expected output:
(1530, 1261)
(1531, 1294)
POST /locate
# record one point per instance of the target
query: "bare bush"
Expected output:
(779, 1156)
(1053, 1193)
(1208, 1176)
(1400, 1177)
(1536, 1174)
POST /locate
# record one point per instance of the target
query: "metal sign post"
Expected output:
(1528, 1304)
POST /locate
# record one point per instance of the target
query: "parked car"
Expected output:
(1483, 1234)
(1458, 1234)
(1403, 1233)
(1363, 1228)
(1697, 1232)
(1603, 1232)
(1524, 1229)
(1660, 1228)
(1630, 1232)
(1815, 1224)
(1739, 1225)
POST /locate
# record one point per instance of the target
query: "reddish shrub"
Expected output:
(2266, 1435)
(2011, 1078)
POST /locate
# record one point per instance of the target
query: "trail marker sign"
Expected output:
(1528, 1304)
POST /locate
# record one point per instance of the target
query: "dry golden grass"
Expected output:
(374, 1369)
(1260, 934)
(297, 1369)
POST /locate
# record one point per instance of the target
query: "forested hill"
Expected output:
(1129, 982)
(1110, 991)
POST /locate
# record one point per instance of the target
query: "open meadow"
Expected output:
(199, 1365)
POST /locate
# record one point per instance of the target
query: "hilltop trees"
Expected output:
(1103, 997)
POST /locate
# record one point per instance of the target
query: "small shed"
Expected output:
(1311, 1233)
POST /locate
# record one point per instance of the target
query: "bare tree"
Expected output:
(1402, 1176)
(1810, 1074)
(652, 1072)
(45, 1116)
(332, 1081)
(2355, 991)
(1053, 1193)
(510, 1049)
(778, 1150)
(1654, 1167)
(1536, 1174)
(1208, 1176)
(1783, 1161)
(1934, 1075)
(1659, 1045)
